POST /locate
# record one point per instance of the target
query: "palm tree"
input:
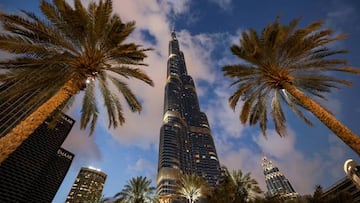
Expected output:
(236, 187)
(72, 49)
(192, 187)
(288, 65)
(138, 190)
(245, 187)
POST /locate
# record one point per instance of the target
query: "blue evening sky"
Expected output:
(206, 29)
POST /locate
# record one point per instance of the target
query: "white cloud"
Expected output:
(145, 168)
(83, 146)
(197, 50)
(337, 157)
(339, 15)
(334, 105)
(175, 7)
(224, 4)
(221, 116)
(140, 165)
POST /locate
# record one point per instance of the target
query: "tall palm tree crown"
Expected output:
(286, 65)
(137, 190)
(74, 48)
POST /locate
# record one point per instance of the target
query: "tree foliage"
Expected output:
(72, 49)
(236, 187)
(137, 190)
(288, 65)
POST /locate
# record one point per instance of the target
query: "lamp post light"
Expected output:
(352, 169)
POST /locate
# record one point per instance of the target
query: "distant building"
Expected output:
(186, 144)
(34, 172)
(87, 187)
(277, 184)
(344, 185)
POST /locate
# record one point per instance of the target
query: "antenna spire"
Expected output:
(173, 35)
(173, 27)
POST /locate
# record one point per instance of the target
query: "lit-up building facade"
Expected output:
(35, 171)
(277, 184)
(186, 144)
(87, 186)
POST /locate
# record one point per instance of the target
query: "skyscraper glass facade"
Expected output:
(34, 172)
(15, 109)
(186, 144)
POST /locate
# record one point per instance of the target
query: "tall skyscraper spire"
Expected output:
(186, 144)
(278, 186)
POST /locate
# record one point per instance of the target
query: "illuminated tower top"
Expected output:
(276, 183)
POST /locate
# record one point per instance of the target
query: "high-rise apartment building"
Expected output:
(87, 187)
(34, 172)
(277, 184)
(186, 144)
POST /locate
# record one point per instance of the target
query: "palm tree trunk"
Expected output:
(344, 133)
(11, 141)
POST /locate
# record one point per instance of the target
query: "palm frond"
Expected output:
(278, 115)
(89, 110)
(128, 72)
(293, 104)
(108, 100)
(263, 111)
(130, 54)
(129, 96)
(247, 109)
